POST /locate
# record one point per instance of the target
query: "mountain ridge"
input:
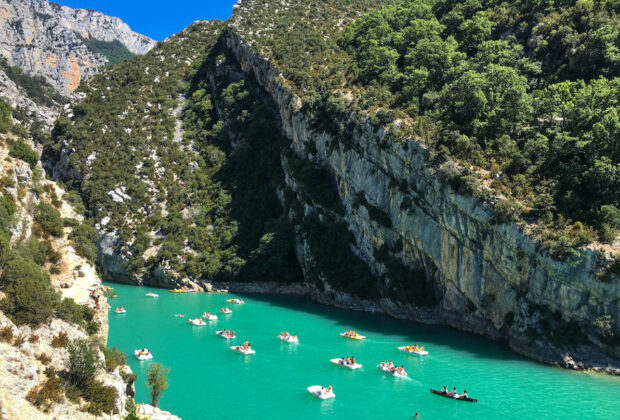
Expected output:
(46, 39)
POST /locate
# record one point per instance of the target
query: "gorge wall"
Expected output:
(486, 278)
(48, 39)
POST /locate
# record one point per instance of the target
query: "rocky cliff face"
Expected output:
(486, 278)
(48, 39)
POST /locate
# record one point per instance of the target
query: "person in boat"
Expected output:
(464, 394)
(246, 344)
(444, 390)
(416, 415)
(454, 393)
(415, 347)
(352, 360)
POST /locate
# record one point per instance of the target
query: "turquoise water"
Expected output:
(209, 381)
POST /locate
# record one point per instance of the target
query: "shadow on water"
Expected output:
(412, 332)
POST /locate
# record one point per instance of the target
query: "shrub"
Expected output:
(73, 198)
(44, 358)
(70, 311)
(20, 131)
(84, 238)
(128, 377)
(20, 150)
(130, 407)
(60, 340)
(6, 334)
(49, 219)
(34, 338)
(29, 301)
(83, 361)
(5, 117)
(101, 398)
(49, 393)
(507, 210)
(18, 268)
(604, 325)
(19, 340)
(113, 358)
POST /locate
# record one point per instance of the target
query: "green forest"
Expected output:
(197, 207)
(517, 100)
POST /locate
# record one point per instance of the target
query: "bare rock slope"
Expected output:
(48, 39)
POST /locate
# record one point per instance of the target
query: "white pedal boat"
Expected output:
(224, 335)
(341, 362)
(321, 392)
(241, 350)
(120, 311)
(197, 322)
(210, 317)
(143, 356)
(225, 311)
(151, 294)
(419, 352)
(394, 373)
(288, 338)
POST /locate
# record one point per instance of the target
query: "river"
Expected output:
(209, 381)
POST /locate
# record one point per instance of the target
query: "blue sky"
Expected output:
(158, 19)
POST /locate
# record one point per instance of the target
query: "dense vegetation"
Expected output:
(523, 96)
(25, 266)
(197, 207)
(132, 108)
(114, 51)
(35, 87)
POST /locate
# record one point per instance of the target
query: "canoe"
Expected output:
(241, 350)
(390, 372)
(417, 352)
(176, 291)
(354, 337)
(140, 356)
(317, 391)
(338, 362)
(443, 394)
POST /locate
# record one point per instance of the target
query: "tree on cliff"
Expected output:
(157, 381)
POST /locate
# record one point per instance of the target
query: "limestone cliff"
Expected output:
(48, 39)
(486, 278)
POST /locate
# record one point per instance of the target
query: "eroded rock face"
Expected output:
(488, 278)
(44, 38)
